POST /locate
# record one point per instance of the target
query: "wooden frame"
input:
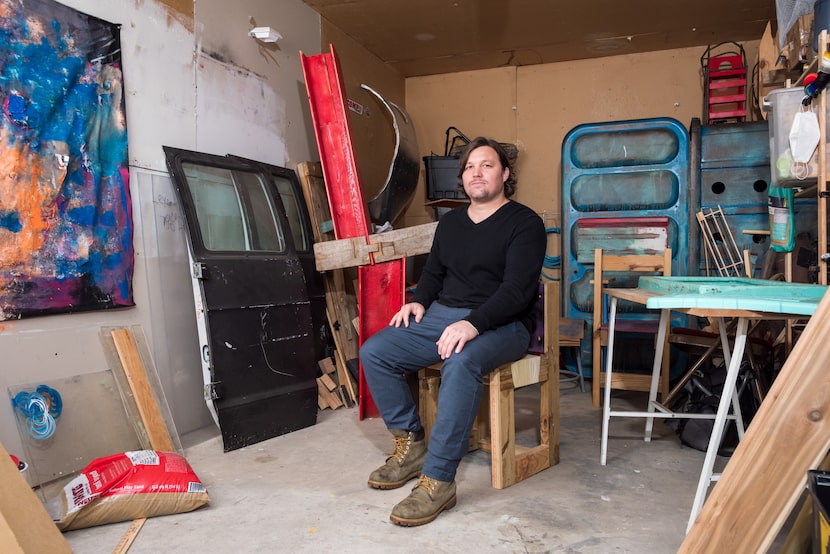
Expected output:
(599, 338)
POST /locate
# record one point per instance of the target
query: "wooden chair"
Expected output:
(494, 429)
(571, 331)
(647, 264)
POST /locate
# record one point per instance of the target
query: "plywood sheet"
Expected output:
(767, 474)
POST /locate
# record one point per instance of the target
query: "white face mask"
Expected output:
(804, 136)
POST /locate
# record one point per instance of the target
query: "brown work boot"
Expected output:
(429, 498)
(403, 464)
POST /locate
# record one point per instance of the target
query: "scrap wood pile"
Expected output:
(331, 393)
(335, 386)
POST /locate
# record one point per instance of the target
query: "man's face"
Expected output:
(483, 177)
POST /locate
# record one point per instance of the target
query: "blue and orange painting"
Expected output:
(65, 219)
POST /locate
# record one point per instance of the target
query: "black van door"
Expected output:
(252, 304)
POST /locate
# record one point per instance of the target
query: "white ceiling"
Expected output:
(423, 37)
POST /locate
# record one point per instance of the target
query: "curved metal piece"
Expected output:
(402, 179)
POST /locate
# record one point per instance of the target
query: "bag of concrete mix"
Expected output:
(130, 485)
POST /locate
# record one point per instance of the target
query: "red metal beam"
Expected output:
(380, 286)
(326, 96)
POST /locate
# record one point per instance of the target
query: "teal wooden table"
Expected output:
(718, 297)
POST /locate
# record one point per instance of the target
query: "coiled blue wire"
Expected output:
(40, 408)
(552, 262)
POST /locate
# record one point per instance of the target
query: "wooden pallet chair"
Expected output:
(495, 426)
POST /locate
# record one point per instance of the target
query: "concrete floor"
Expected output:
(306, 492)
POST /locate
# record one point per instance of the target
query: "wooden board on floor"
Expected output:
(767, 474)
(129, 536)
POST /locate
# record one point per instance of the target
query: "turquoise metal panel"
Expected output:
(626, 169)
(623, 169)
(733, 172)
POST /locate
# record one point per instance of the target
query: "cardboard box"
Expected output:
(800, 43)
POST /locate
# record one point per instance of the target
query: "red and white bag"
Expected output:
(121, 487)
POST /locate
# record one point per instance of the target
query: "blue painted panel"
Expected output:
(624, 146)
(735, 145)
(734, 186)
(625, 191)
(734, 173)
(636, 168)
(623, 169)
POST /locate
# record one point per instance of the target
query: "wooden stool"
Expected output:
(495, 428)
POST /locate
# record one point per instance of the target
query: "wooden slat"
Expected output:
(328, 382)
(339, 254)
(344, 377)
(633, 263)
(766, 475)
(148, 410)
(388, 246)
(549, 390)
(143, 394)
(571, 331)
(502, 433)
(129, 536)
(530, 461)
(429, 380)
(311, 179)
(627, 381)
(341, 305)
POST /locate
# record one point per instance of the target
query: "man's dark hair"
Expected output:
(510, 183)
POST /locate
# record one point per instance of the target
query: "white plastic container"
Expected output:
(782, 105)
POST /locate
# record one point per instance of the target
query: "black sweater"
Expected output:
(492, 267)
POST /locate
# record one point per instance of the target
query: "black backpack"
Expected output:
(701, 394)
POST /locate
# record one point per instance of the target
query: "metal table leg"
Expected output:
(729, 393)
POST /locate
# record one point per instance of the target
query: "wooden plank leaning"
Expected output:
(767, 474)
(148, 408)
(341, 304)
(139, 384)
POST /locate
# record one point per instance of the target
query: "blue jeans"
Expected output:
(394, 351)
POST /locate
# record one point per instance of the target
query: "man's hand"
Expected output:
(454, 338)
(406, 311)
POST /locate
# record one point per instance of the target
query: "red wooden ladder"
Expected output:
(724, 76)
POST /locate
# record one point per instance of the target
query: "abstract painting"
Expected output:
(65, 218)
